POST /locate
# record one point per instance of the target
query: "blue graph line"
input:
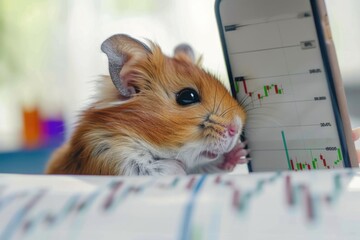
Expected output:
(186, 223)
(10, 199)
(15, 221)
(84, 208)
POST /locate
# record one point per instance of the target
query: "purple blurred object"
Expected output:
(53, 131)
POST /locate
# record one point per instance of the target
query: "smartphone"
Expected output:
(282, 68)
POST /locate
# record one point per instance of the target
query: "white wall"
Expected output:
(74, 59)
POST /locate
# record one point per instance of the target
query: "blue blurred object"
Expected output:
(25, 161)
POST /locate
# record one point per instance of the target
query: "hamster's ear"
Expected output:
(121, 50)
(184, 52)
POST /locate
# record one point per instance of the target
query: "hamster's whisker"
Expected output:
(214, 103)
(244, 99)
(265, 118)
(248, 104)
(228, 110)
(251, 109)
(191, 118)
(253, 105)
(201, 117)
(207, 109)
(268, 108)
(196, 118)
(218, 106)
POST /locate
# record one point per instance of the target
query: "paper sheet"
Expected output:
(306, 205)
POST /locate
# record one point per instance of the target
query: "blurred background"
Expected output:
(50, 57)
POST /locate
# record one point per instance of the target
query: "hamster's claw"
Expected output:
(236, 156)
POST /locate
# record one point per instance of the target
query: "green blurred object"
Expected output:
(130, 6)
(24, 38)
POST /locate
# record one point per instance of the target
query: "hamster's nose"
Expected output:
(232, 129)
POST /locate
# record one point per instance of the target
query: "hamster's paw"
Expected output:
(236, 156)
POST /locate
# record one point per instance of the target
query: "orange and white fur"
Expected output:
(155, 115)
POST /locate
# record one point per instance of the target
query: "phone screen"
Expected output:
(279, 73)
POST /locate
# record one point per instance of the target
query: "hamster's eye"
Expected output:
(187, 96)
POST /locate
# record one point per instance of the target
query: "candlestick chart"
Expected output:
(278, 75)
(259, 94)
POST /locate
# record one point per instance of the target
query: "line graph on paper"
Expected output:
(279, 76)
(190, 207)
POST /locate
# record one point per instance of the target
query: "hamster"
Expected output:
(154, 115)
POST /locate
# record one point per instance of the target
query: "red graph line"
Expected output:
(245, 87)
